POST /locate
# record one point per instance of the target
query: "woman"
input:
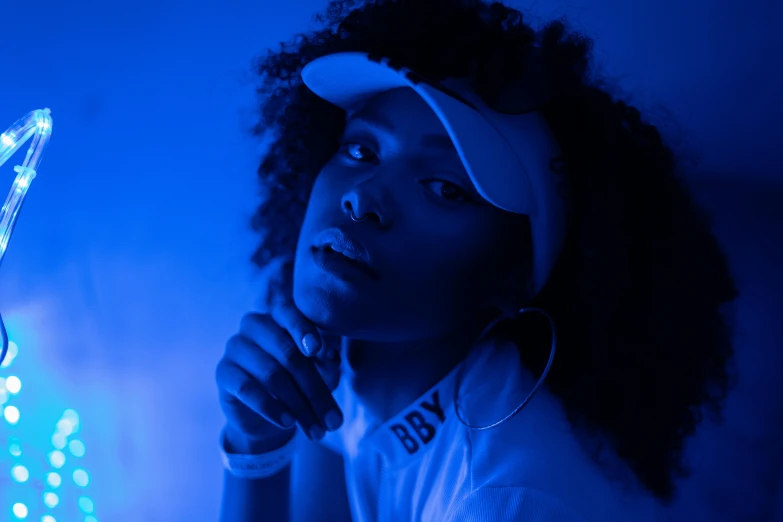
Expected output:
(454, 198)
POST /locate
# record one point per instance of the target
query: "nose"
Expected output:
(360, 205)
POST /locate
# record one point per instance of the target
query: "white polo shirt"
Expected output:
(425, 465)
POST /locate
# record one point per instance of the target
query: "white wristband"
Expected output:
(257, 466)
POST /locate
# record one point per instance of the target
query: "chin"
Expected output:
(332, 309)
(344, 314)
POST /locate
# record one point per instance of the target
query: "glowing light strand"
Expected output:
(36, 126)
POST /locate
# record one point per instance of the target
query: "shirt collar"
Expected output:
(491, 381)
(412, 432)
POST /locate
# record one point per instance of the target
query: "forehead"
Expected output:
(402, 112)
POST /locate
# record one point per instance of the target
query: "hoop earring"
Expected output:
(535, 388)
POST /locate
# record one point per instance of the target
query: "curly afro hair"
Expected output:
(644, 347)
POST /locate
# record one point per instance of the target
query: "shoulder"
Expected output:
(531, 447)
(536, 448)
(534, 467)
(534, 462)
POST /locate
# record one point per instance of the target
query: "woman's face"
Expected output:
(432, 252)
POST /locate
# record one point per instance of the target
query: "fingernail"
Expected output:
(310, 344)
(316, 432)
(287, 421)
(333, 420)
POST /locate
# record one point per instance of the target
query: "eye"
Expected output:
(446, 190)
(357, 152)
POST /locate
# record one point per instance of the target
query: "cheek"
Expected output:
(321, 192)
(463, 265)
(483, 263)
(324, 197)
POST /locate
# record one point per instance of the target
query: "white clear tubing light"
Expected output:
(35, 126)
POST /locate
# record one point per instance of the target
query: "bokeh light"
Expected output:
(57, 459)
(65, 427)
(33, 470)
(54, 479)
(72, 418)
(13, 351)
(76, 447)
(14, 448)
(11, 414)
(51, 499)
(86, 505)
(20, 473)
(13, 384)
(80, 478)
(19, 510)
(59, 440)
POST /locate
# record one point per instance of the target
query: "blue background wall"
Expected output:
(128, 269)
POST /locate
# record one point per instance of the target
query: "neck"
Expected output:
(387, 377)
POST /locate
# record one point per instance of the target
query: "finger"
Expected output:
(302, 330)
(330, 373)
(331, 347)
(328, 362)
(275, 380)
(236, 383)
(279, 344)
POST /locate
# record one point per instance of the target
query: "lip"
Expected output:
(338, 248)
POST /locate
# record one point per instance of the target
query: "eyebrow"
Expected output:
(437, 141)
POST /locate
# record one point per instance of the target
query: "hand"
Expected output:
(267, 384)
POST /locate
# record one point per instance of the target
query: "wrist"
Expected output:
(257, 459)
(239, 443)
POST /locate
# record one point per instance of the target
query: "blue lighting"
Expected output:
(47, 480)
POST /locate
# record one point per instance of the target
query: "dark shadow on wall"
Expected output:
(738, 464)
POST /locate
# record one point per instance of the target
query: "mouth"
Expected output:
(335, 261)
(336, 250)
